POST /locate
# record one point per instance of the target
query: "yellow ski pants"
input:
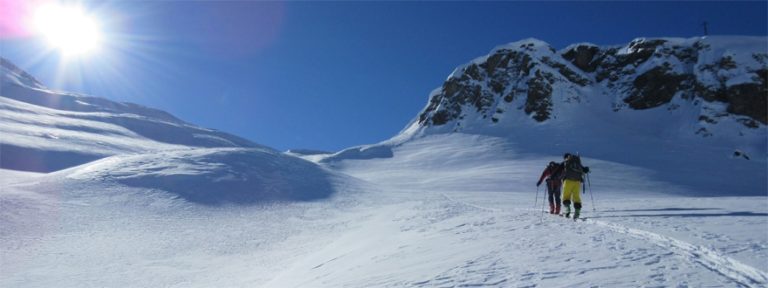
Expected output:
(572, 191)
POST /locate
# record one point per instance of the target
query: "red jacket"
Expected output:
(553, 173)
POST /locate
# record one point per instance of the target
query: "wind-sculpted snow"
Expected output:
(45, 130)
(40, 160)
(361, 153)
(216, 176)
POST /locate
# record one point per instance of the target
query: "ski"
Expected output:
(570, 217)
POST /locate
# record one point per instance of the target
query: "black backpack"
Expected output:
(573, 168)
(556, 171)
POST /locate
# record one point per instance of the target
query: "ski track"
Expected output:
(741, 273)
(730, 268)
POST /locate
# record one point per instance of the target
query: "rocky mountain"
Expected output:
(723, 78)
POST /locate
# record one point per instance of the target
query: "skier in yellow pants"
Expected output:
(572, 179)
(571, 193)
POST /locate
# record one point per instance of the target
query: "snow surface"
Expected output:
(451, 210)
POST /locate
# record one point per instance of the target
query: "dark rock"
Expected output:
(740, 154)
(474, 72)
(509, 97)
(500, 59)
(497, 86)
(582, 56)
(750, 99)
(655, 87)
(539, 99)
(567, 72)
(707, 119)
(440, 117)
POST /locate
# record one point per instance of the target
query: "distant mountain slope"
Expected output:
(45, 130)
(693, 111)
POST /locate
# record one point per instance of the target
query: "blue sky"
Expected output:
(330, 75)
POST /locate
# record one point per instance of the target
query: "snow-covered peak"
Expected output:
(692, 88)
(577, 45)
(528, 44)
(534, 48)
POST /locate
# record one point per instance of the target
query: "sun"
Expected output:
(68, 29)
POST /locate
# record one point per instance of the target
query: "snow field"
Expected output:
(443, 211)
(676, 239)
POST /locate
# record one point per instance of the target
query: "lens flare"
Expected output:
(68, 29)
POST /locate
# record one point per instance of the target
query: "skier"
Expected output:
(553, 175)
(573, 176)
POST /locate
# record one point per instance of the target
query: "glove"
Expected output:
(538, 184)
(586, 169)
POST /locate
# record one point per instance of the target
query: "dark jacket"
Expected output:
(573, 169)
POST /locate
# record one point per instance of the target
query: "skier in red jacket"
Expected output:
(553, 174)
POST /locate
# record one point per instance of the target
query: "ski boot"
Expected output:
(551, 208)
(576, 214)
(567, 213)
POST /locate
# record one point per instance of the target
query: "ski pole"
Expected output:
(590, 193)
(546, 195)
(536, 203)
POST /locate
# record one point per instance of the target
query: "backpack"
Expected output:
(573, 169)
(556, 171)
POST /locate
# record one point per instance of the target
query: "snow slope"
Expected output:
(701, 168)
(451, 210)
(45, 130)
(467, 218)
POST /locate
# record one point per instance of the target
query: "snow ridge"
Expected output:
(47, 131)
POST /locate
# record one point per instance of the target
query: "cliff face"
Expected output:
(724, 77)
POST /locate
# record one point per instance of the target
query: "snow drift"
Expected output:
(215, 176)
